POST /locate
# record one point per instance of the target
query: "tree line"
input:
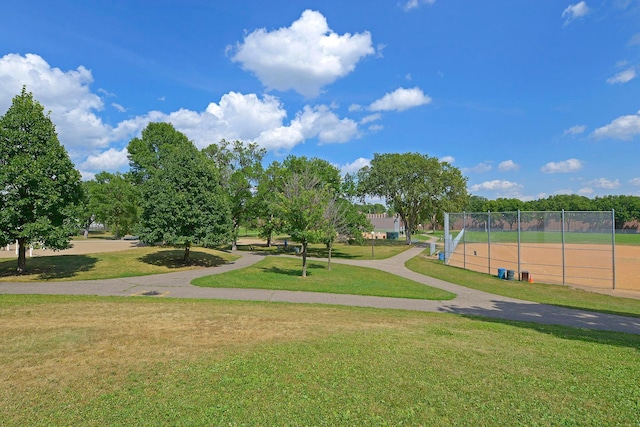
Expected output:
(176, 194)
(626, 208)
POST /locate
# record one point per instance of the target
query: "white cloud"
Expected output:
(111, 159)
(304, 57)
(88, 139)
(376, 128)
(401, 99)
(574, 130)
(566, 166)
(624, 127)
(508, 165)
(586, 191)
(479, 168)
(635, 181)
(623, 76)
(604, 183)
(414, 4)
(575, 11)
(65, 94)
(496, 185)
(448, 159)
(370, 118)
(355, 166)
(118, 107)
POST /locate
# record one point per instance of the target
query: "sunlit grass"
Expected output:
(279, 273)
(119, 362)
(132, 262)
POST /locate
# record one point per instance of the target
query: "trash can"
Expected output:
(441, 256)
(392, 235)
(502, 273)
(524, 276)
(511, 274)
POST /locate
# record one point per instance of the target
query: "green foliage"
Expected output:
(114, 201)
(418, 187)
(40, 189)
(183, 201)
(240, 169)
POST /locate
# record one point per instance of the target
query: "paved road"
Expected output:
(468, 301)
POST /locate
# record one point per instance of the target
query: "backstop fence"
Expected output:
(553, 247)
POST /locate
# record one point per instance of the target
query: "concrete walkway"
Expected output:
(468, 301)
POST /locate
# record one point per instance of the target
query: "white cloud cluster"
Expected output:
(355, 166)
(566, 166)
(401, 99)
(66, 94)
(624, 127)
(304, 57)
(622, 77)
(414, 4)
(508, 166)
(574, 130)
(479, 168)
(496, 185)
(575, 11)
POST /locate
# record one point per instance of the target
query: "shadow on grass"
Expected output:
(50, 267)
(581, 325)
(173, 258)
(294, 272)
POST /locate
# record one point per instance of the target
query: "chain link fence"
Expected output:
(571, 248)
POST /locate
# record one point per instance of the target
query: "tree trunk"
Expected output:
(304, 259)
(329, 261)
(187, 252)
(234, 245)
(269, 240)
(22, 255)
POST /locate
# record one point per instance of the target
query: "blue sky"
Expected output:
(529, 98)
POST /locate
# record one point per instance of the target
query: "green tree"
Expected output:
(114, 201)
(40, 189)
(416, 186)
(302, 204)
(183, 201)
(240, 167)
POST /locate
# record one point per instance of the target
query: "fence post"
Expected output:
(613, 244)
(519, 270)
(564, 273)
(464, 238)
(489, 240)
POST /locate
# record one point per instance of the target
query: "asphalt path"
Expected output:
(468, 302)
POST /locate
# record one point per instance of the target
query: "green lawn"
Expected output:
(106, 265)
(119, 362)
(279, 273)
(536, 292)
(380, 249)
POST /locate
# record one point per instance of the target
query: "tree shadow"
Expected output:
(561, 322)
(173, 258)
(335, 253)
(50, 267)
(294, 272)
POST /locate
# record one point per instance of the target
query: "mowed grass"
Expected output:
(119, 362)
(381, 249)
(106, 265)
(536, 292)
(279, 273)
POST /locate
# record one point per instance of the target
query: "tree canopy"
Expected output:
(416, 186)
(183, 201)
(114, 201)
(39, 187)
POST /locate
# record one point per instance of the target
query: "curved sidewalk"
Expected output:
(468, 302)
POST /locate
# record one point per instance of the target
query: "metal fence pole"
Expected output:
(489, 240)
(464, 238)
(519, 270)
(564, 272)
(613, 245)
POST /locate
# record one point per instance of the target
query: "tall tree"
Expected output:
(114, 201)
(302, 206)
(40, 189)
(240, 167)
(416, 186)
(183, 201)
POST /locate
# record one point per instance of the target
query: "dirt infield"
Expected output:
(585, 265)
(89, 246)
